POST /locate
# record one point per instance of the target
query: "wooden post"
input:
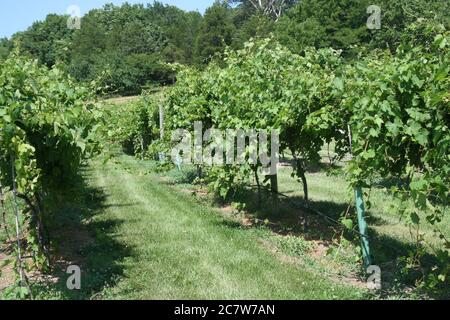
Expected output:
(161, 121)
(161, 129)
(274, 190)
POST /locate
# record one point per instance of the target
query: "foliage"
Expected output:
(48, 41)
(396, 16)
(5, 48)
(263, 86)
(47, 126)
(342, 24)
(216, 32)
(120, 42)
(180, 29)
(133, 43)
(405, 124)
(135, 125)
(322, 24)
(397, 110)
(387, 107)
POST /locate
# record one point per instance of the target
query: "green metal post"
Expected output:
(363, 227)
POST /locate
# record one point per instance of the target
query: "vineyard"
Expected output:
(89, 182)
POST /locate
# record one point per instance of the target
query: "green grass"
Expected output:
(138, 236)
(390, 237)
(183, 250)
(150, 241)
(330, 194)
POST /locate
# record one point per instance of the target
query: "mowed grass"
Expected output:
(331, 195)
(180, 249)
(136, 237)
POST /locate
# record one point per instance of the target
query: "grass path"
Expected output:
(178, 249)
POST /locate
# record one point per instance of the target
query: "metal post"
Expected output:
(274, 189)
(362, 224)
(363, 227)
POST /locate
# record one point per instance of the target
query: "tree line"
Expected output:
(132, 47)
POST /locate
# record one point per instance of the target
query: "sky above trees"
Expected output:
(133, 46)
(17, 15)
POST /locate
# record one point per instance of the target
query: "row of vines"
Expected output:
(389, 112)
(47, 127)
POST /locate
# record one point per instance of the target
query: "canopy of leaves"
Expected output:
(49, 41)
(46, 128)
(262, 86)
(216, 32)
(342, 24)
(129, 45)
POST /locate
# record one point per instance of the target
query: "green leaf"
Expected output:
(348, 223)
(339, 84)
(369, 154)
(419, 185)
(414, 218)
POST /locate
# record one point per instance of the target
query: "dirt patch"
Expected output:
(274, 250)
(67, 253)
(70, 245)
(320, 249)
(121, 100)
(318, 253)
(7, 276)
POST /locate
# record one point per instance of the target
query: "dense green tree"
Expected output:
(5, 48)
(258, 26)
(397, 15)
(342, 24)
(122, 43)
(323, 23)
(47, 40)
(127, 44)
(179, 27)
(216, 32)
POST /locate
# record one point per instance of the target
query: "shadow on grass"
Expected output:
(313, 167)
(289, 217)
(80, 237)
(187, 176)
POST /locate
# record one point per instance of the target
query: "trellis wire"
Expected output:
(18, 231)
(3, 209)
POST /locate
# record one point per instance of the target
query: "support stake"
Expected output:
(363, 227)
(367, 258)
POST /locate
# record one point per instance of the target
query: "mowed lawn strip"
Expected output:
(182, 250)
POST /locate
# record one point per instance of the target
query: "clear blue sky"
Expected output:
(17, 15)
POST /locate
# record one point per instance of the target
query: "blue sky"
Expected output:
(17, 15)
